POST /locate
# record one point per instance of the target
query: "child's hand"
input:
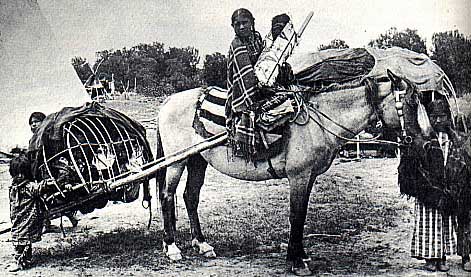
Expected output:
(36, 189)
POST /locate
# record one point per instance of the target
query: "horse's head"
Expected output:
(406, 114)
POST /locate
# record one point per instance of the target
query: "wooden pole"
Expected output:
(6, 230)
(195, 149)
(358, 146)
(304, 25)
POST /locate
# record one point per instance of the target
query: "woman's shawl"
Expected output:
(423, 174)
(241, 95)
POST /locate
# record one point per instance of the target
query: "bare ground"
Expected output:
(357, 225)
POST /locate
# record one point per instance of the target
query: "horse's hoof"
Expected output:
(172, 252)
(175, 258)
(210, 254)
(302, 270)
(307, 259)
(467, 266)
(204, 248)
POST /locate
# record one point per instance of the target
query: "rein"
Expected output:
(375, 139)
(372, 99)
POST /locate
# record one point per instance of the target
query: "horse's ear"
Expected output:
(393, 77)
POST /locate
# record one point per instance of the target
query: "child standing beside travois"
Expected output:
(27, 212)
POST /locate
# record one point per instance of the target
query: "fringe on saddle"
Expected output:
(270, 118)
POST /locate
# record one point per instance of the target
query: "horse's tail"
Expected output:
(159, 153)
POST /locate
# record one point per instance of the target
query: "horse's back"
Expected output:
(179, 108)
(175, 122)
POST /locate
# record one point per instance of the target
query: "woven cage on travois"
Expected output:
(94, 151)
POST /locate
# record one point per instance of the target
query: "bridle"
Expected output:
(399, 96)
(373, 99)
(400, 103)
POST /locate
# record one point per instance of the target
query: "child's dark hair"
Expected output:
(21, 165)
(38, 115)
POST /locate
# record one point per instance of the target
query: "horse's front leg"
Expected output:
(167, 192)
(196, 168)
(300, 189)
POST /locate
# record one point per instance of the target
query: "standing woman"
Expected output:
(35, 120)
(434, 235)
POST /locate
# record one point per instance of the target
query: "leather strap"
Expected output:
(271, 170)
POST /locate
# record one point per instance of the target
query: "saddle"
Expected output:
(270, 123)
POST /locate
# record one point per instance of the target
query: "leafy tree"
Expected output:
(82, 68)
(114, 62)
(451, 52)
(408, 39)
(334, 44)
(155, 70)
(181, 67)
(215, 70)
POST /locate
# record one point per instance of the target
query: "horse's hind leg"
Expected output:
(196, 168)
(167, 192)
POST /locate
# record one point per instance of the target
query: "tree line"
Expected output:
(152, 69)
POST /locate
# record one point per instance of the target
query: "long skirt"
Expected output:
(434, 234)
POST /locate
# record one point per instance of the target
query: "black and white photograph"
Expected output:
(235, 138)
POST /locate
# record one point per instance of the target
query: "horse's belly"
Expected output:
(222, 160)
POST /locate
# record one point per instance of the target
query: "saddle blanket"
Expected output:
(210, 116)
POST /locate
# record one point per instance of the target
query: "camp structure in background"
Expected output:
(35, 73)
(98, 88)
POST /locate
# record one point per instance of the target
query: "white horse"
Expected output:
(308, 151)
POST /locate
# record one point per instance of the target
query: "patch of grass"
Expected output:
(258, 219)
(141, 107)
(120, 248)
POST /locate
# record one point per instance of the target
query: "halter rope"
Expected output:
(309, 106)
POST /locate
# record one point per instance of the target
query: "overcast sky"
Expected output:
(87, 26)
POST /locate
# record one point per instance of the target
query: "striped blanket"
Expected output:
(210, 116)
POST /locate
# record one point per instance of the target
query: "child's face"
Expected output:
(34, 124)
(276, 30)
(440, 122)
